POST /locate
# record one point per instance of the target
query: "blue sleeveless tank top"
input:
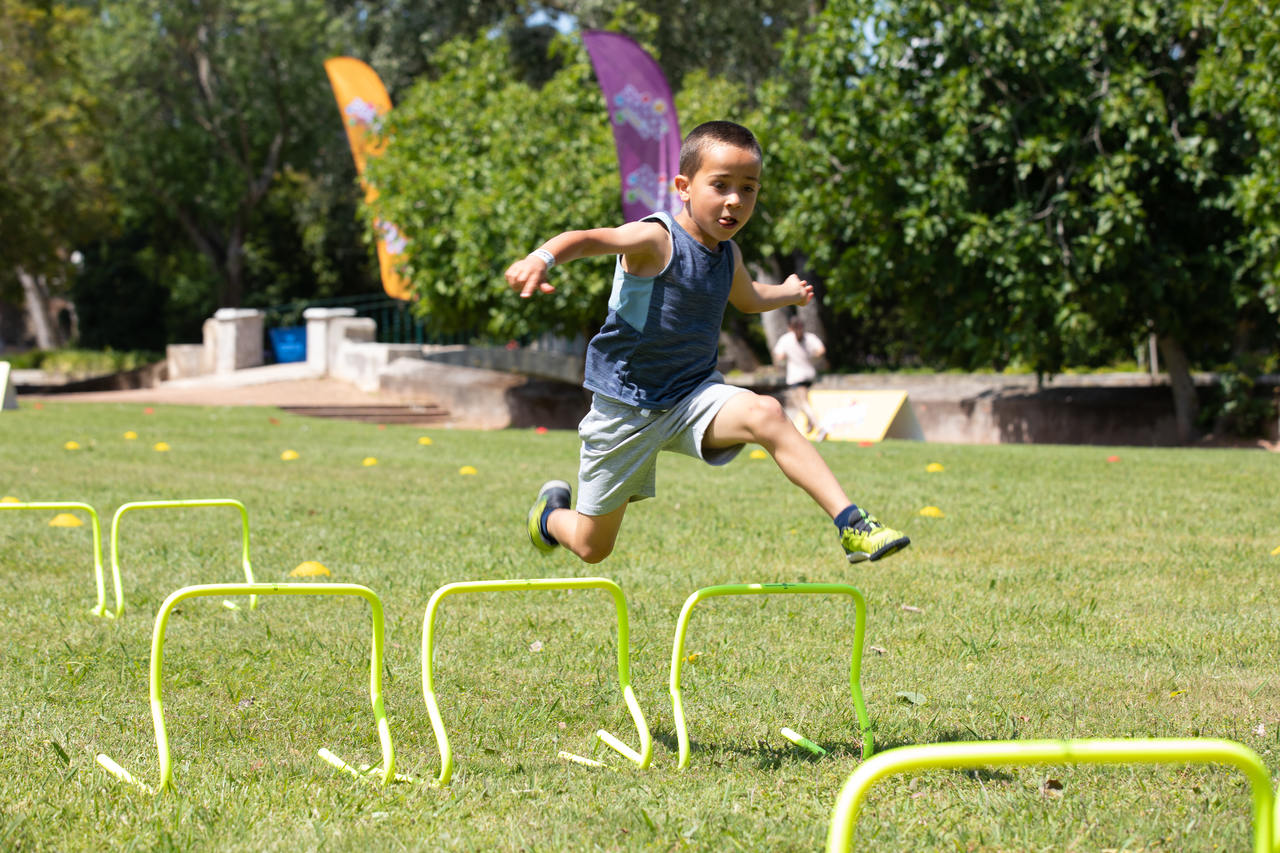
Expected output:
(661, 339)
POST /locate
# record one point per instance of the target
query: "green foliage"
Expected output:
(213, 110)
(730, 40)
(52, 190)
(399, 38)
(82, 362)
(1237, 405)
(1239, 71)
(480, 169)
(1030, 182)
(1061, 596)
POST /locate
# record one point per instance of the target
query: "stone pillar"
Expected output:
(237, 339)
(321, 337)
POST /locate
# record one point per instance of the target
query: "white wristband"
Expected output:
(544, 256)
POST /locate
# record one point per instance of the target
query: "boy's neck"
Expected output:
(685, 221)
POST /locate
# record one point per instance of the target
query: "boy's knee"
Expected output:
(766, 414)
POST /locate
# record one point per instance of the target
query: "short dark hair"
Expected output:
(711, 133)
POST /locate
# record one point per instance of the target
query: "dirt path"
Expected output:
(298, 392)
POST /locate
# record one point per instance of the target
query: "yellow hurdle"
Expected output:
(909, 759)
(387, 773)
(101, 608)
(855, 666)
(640, 757)
(203, 502)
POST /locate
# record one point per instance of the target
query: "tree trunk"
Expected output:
(233, 272)
(1186, 406)
(37, 301)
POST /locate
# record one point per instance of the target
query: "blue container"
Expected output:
(289, 343)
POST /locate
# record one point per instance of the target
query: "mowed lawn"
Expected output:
(1061, 595)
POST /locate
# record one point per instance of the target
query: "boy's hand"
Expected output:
(528, 275)
(800, 289)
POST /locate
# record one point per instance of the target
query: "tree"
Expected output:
(1240, 71)
(1029, 182)
(482, 166)
(734, 41)
(399, 38)
(211, 103)
(477, 173)
(52, 190)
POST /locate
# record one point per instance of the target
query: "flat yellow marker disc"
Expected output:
(309, 569)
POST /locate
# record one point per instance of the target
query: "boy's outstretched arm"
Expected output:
(645, 245)
(752, 297)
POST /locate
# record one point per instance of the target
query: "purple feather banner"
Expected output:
(646, 131)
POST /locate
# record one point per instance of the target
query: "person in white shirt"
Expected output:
(800, 351)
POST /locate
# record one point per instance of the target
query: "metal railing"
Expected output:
(396, 322)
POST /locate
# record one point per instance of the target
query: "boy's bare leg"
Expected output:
(755, 418)
(591, 537)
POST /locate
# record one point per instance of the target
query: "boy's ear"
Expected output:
(682, 187)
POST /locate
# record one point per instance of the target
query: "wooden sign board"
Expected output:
(864, 415)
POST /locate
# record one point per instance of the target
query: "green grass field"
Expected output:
(1061, 596)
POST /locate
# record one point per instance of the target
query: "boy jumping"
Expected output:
(652, 366)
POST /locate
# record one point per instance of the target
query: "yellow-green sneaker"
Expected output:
(554, 494)
(868, 539)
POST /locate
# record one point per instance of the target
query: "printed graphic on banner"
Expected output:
(646, 114)
(646, 132)
(649, 188)
(363, 100)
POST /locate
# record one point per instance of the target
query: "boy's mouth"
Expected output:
(727, 221)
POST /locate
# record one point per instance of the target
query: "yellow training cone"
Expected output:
(1275, 553)
(65, 519)
(160, 447)
(309, 569)
(130, 435)
(758, 454)
(289, 455)
(934, 467)
(468, 470)
(932, 512)
(71, 445)
(9, 499)
(369, 461)
(424, 440)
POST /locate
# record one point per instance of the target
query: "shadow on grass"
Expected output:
(985, 774)
(767, 756)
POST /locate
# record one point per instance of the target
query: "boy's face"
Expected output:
(720, 197)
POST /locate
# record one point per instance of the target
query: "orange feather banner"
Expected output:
(363, 100)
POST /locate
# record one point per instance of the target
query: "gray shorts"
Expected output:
(620, 444)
